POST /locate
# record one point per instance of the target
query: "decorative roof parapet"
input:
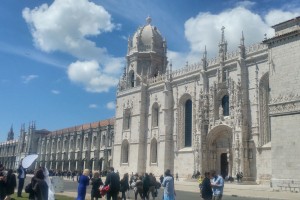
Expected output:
(157, 79)
(187, 69)
(255, 48)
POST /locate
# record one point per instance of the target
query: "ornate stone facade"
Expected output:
(214, 114)
(75, 148)
(238, 112)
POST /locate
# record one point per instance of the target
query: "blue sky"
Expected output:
(61, 59)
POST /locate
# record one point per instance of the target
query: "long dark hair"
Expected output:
(125, 177)
(9, 172)
(40, 174)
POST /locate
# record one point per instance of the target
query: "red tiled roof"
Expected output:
(101, 123)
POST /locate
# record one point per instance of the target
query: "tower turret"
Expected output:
(146, 55)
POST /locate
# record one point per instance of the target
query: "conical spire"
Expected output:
(223, 46)
(204, 59)
(10, 135)
(242, 46)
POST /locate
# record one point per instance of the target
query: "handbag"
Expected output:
(28, 188)
(104, 190)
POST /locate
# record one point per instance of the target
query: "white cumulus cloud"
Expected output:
(91, 76)
(26, 79)
(67, 26)
(276, 16)
(205, 30)
(111, 105)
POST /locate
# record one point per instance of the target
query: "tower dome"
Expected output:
(147, 38)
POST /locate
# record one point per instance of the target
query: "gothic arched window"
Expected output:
(126, 120)
(65, 144)
(94, 141)
(103, 140)
(225, 105)
(155, 115)
(188, 124)
(132, 79)
(78, 143)
(86, 141)
(125, 152)
(72, 144)
(58, 145)
(265, 133)
(153, 151)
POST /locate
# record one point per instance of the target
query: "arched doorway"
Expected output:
(219, 157)
(224, 165)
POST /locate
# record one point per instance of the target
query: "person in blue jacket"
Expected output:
(83, 183)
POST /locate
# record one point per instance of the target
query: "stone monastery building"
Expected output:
(238, 112)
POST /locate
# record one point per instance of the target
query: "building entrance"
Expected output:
(224, 165)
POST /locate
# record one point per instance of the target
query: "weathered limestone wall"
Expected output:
(264, 165)
(184, 162)
(285, 108)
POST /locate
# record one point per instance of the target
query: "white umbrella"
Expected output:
(28, 160)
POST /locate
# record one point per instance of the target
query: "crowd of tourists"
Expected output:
(39, 188)
(144, 185)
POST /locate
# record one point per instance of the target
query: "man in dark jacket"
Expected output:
(206, 191)
(113, 180)
(21, 177)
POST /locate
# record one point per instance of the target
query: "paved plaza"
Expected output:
(188, 189)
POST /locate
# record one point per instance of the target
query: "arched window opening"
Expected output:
(78, 143)
(126, 120)
(265, 133)
(125, 152)
(155, 115)
(94, 141)
(225, 105)
(153, 151)
(188, 124)
(132, 79)
(103, 140)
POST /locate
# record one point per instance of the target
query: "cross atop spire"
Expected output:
(148, 20)
(223, 35)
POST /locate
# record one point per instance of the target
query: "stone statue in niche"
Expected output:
(221, 112)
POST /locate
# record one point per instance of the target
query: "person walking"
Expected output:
(124, 185)
(96, 181)
(168, 184)
(206, 191)
(177, 177)
(40, 187)
(113, 180)
(83, 182)
(21, 178)
(217, 185)
(11, 184)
